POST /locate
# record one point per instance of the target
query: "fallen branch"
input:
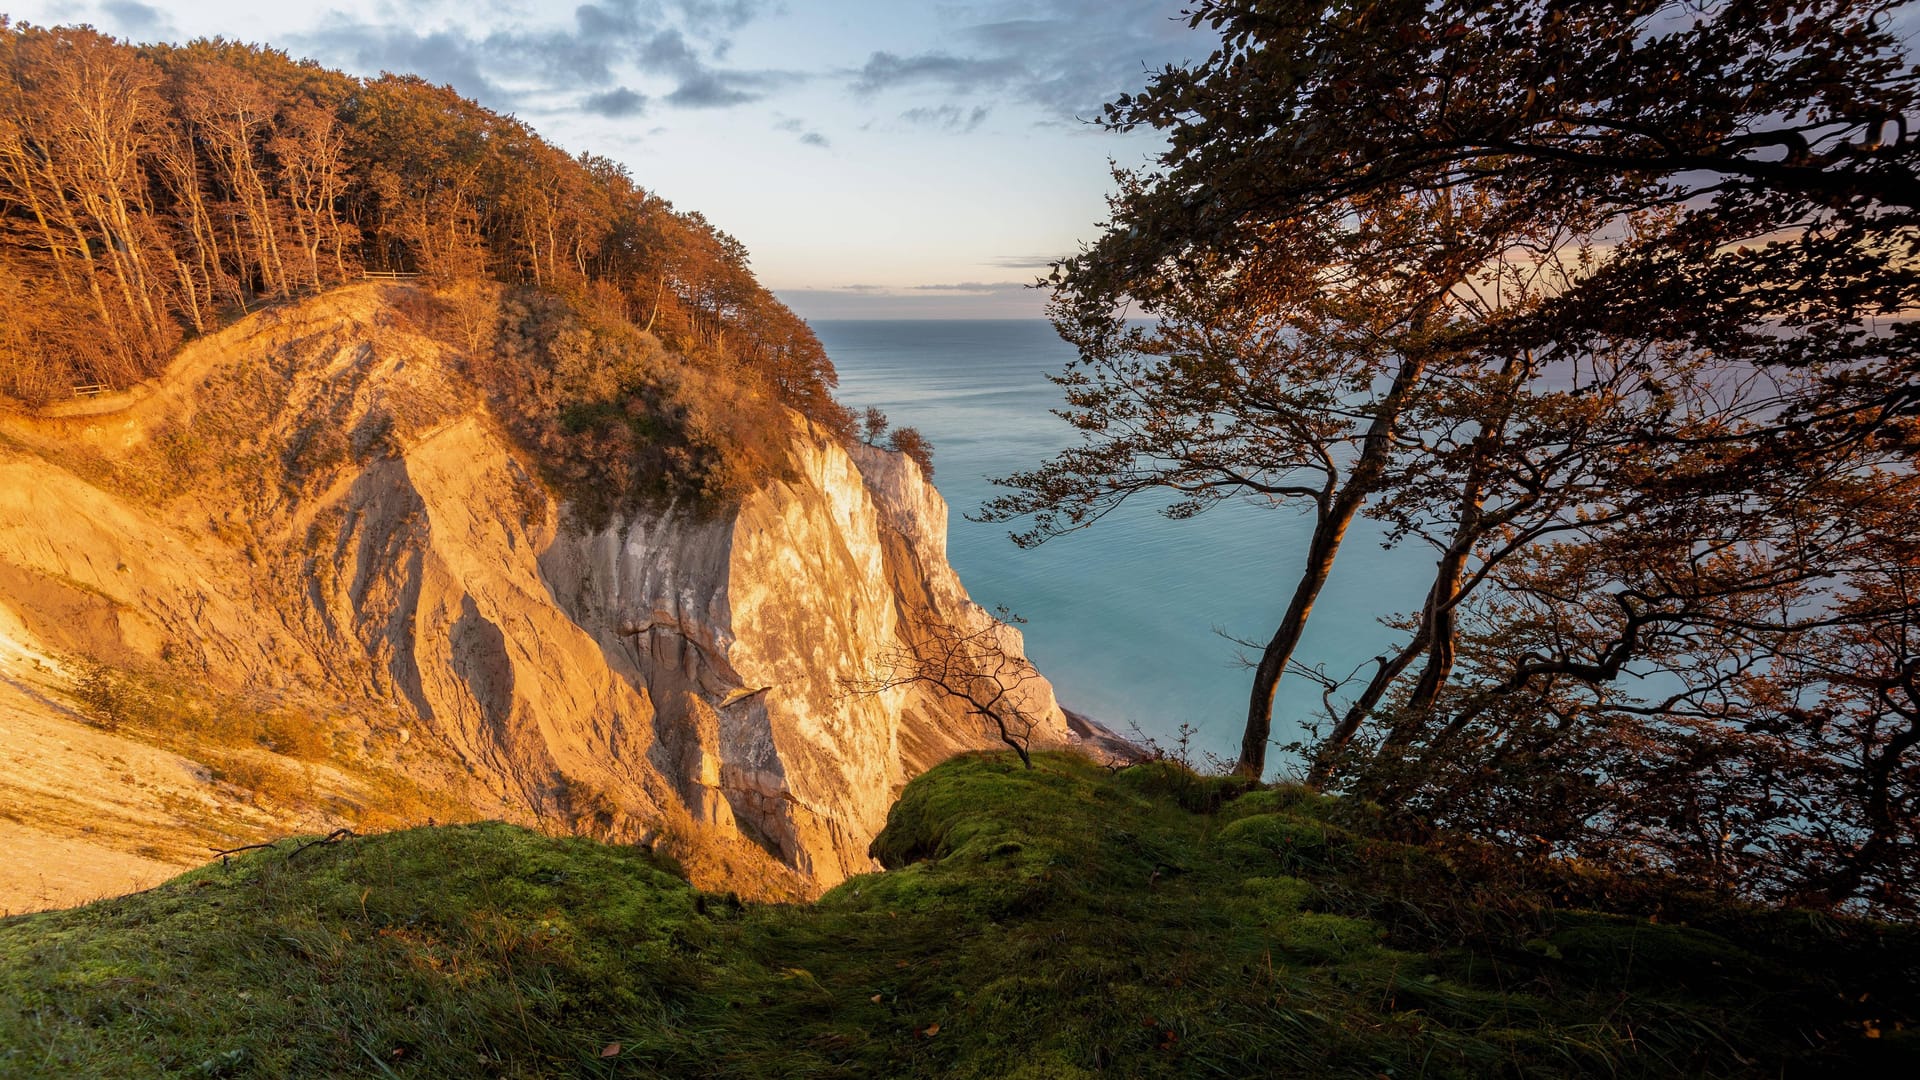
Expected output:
(333, 837)
(223, 853)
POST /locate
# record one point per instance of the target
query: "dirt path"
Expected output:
(40, 870)
(85, 813)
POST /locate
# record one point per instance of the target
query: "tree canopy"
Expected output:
(1605, 305)
(151, 193)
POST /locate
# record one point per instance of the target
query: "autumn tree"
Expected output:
(231, 114)
(1664, 481)
(79, 112)
(909, 441)
(311, 147)
(1280, 372)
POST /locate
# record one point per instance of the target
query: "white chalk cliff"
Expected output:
(402, 579)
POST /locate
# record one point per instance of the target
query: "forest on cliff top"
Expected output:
(151, 193)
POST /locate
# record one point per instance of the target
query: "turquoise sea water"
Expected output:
(1120, 616)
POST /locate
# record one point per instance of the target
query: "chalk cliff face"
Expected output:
(314, 515)
(746, 631)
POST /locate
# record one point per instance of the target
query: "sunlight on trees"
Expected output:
(151, 192)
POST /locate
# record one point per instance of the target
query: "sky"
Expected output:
(878, 158)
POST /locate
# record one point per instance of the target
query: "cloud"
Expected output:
(715, 17)
(814, 138)
(947, 117)
(704, 86)
(977, 287)
(939, 302)
(1068, 57)
(616, 104)
(1023, 262)
(443, 57)
(968, 287)
(140, 22)
(886, 71)
(621, 19)
(716, 90)
(605, 46)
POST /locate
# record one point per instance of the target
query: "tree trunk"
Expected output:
(1362, 707)
(192, 293)
(1443, 600)
(90, 272)
(265, 224)
(16, 165)
(1437, 633)
(659, 294)
(1375, 449)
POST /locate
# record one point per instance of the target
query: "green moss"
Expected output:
(1281, 842)
(1271, 898)
(1170, 780)
(1059, 922)
(1277, 799)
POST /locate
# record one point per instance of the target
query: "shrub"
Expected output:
(612, 418)
(910, 442)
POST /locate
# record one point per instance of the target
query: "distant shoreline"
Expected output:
(1099, 736)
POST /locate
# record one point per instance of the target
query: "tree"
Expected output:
(909, 441)
(312, 148)
(421, 154)
(1280, 371)
(1663, 479)
(80, 113)
(232, 115)
(975, 668)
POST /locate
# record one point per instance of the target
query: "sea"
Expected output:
(1134, 619)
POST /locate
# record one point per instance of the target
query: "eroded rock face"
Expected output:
(748, 630)
(313, 507)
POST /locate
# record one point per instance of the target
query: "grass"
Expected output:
(1059, 922)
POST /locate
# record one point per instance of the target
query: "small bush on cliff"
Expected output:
(906, 440)
(910, 442)
(266, 748)
(159, 705)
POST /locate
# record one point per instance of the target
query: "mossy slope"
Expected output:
(1061, 922)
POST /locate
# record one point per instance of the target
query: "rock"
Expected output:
(680, 672)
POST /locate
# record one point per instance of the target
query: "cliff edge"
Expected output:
(306, 580)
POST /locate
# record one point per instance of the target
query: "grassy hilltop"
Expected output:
(1061, 922)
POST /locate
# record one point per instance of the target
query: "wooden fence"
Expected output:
(92, 390)
(387, 275)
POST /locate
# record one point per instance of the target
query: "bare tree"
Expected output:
(973, 667)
